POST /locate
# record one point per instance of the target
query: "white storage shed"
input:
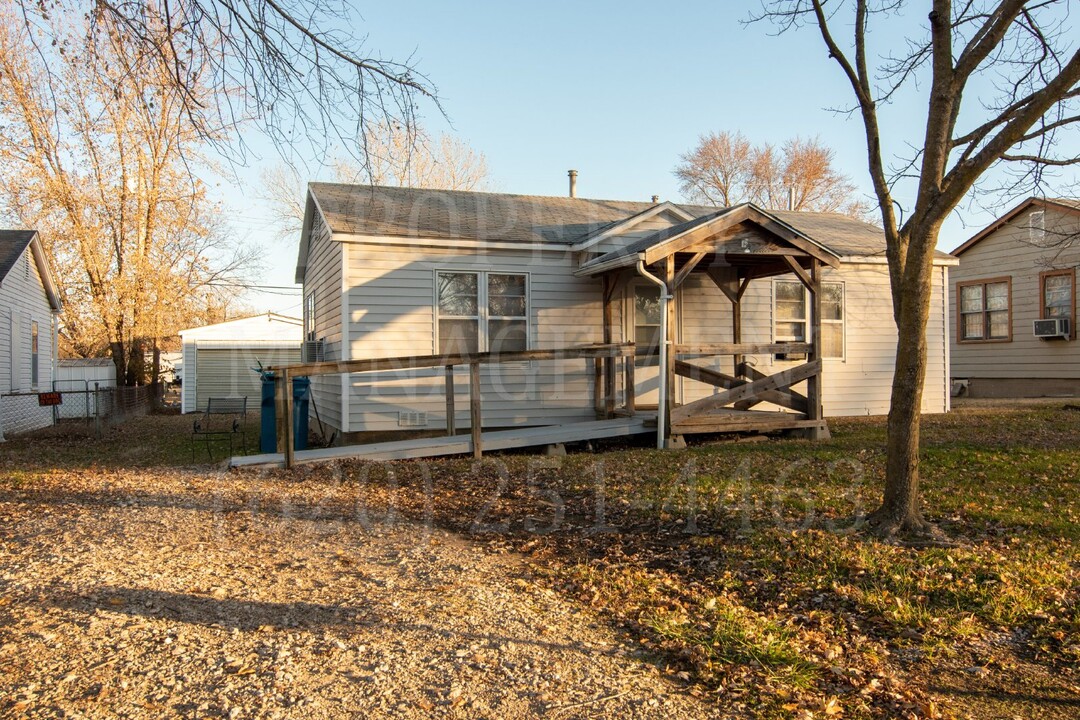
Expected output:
(221, 360)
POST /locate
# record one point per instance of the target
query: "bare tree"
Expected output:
(397, 156)
(286, 66)
(726, 169)
(718, 171)
(100, 164)
(1001, 80)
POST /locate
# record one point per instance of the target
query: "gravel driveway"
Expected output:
(170, 593)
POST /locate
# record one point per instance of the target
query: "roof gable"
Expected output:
(721, 228)
(1064, 204)
(12, 245)
(252, 321)
(623, 226)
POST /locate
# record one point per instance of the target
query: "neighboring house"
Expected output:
(393, 272)
(1014, 274)
(29, 309)
(220, 360)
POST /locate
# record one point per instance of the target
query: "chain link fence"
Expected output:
(84, 408)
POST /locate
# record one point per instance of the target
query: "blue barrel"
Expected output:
(268, 414)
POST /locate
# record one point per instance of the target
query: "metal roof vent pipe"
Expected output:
(573, 182)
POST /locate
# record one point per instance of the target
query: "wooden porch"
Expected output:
(732, 248)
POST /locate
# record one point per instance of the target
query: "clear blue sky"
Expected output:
(616, 90)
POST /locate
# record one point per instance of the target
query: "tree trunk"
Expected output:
(119, 358)
(901, 508)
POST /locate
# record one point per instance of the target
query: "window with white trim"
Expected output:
(1037, 227)
(791, 315)
(34, 370)
(481, 312)
(309, 316)
(647, 322)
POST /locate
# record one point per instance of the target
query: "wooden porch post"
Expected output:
(475, 416)
(290, 443)
(279, 410)
(610, 283)
(814, 409)
(667, 373)
(451, 419)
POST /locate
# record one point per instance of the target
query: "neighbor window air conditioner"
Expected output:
(312, 351)
(1052, 328)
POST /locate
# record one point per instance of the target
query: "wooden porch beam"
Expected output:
(800, 273)
(741, 348)
(688, 268)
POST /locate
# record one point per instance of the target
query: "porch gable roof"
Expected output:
(678, 238)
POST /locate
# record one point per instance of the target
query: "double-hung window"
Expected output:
(309, 316)
(791, 317)
(985, 310)
(482, 311)
(1057, 293)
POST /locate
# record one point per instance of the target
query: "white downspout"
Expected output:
(661, 409)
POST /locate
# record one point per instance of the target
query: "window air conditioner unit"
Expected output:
(312, 351)
(1052, 328)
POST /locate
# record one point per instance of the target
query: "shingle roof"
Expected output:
(12, 245)
(426, 213)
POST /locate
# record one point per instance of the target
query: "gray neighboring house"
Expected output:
(1018, 270)
(29, 312)
(393, 272)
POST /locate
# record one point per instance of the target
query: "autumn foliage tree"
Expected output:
(992, 89)
(99, 158)
(726, 169)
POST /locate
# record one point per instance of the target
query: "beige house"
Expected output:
(1014, 300)
(392, 272)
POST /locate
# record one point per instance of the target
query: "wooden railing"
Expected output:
(604, 357)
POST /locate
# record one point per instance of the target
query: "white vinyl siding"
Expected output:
(24, 302)
(227, 372)
(323, 315)
(861, 383)
(392, 308)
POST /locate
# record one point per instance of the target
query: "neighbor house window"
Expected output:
(985, 310)
(33, 355)
(792, 315)
(647, 321)
(1057, 288)
(1036, 226)
(482, 311)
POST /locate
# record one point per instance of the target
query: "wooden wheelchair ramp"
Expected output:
(461, 444)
